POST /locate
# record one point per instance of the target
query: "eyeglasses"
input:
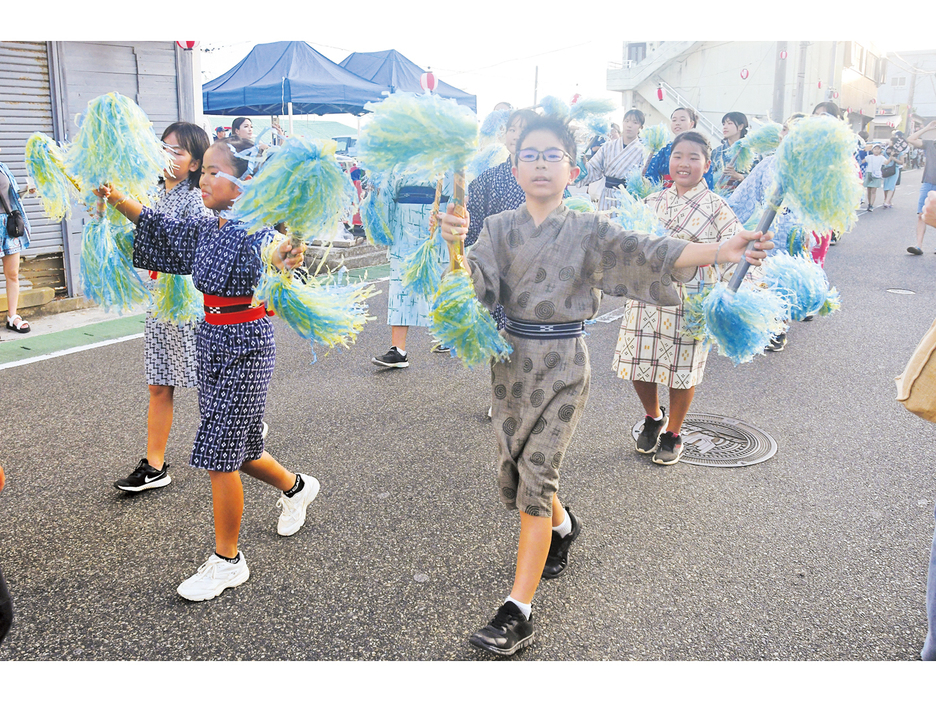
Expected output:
(549, 155)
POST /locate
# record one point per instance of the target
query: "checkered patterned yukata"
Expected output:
(235, 361)
(169, 348)
(651, 347)
(549, 274)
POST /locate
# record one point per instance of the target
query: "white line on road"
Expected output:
(65, 352)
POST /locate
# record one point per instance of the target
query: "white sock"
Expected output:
(565, 528)
(657, 419)
(402, 352)
(527, 609)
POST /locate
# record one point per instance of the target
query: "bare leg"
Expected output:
(558, 513)
(268, 470)
(532, 550)
(871, 197)
(649, 398)
(227, 499)
(11, 273)
(158, 423)
(888, 196)
(398, 337)
(679, 408)
(921, 230)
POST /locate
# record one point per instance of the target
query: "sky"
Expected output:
(498, 50)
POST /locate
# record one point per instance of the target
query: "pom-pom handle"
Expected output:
(457, 249)
(773, 205)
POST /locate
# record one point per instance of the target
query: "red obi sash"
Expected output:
(233, 310)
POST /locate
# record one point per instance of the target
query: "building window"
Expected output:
(899, 81)
(636, 52)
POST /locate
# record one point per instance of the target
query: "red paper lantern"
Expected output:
(783, 55)
(187, 45)
(427, 81)
(660, 93)
(744, 74)
(820, 84)
(575, 98)
(835, 93)
(873, 101)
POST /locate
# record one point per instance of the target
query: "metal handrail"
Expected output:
(714, 130)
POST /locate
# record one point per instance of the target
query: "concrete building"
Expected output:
(907, 97)
(45, 86)
(759, 78)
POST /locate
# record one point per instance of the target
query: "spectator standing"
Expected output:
(12, 246)
(873, 178)
(613, 160)
(895, 161)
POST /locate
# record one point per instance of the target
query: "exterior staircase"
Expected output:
(358, 253)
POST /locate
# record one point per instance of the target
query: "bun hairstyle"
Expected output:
(557, 127)
(740, 120)
(693, 117)
(695, 138)
(193, 139)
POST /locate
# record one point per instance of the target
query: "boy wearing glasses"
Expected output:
(545, 263)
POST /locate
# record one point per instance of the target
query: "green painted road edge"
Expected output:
(28, 346)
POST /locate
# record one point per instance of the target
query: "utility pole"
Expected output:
(779, 83)
(801, 78)
(535, 84)
(913, 75)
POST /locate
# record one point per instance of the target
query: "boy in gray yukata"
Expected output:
(545, 263)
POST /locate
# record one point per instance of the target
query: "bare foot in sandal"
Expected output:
(18, 324)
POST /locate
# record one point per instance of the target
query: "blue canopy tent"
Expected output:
(392, 69)
(287, 77)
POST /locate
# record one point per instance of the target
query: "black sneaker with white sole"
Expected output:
(777, 343)
(507, 633)
(670, 449)
(392, 359)
(144, 477)
(650, 434)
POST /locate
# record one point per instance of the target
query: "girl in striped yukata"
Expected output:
(235, 352)
(615, 158)
(651, 348)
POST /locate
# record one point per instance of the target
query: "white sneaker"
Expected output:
(213, 577)
(294, 508)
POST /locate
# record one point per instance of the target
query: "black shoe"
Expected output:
(808, 318)
(439, 347)
(392, 359)
(558, 556)
(145, 477)
(671, 448)
(650, 434)
(508, 632)
(870, 208)
(776, 343)
(915, 251)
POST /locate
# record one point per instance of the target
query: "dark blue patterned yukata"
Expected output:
(235, 361)
(494, 191)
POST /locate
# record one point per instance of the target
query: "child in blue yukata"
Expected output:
(235, 351)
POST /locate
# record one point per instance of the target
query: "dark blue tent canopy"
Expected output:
(273, 75)
(393, 69)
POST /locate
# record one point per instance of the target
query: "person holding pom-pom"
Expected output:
(545, 263)
(652, 348)
(235, 352)
(169, 346)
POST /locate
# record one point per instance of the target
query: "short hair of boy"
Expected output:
(553, 125)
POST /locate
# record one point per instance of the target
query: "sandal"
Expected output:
(18, 324)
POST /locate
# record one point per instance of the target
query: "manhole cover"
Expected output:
(900, 291)
(721, 442)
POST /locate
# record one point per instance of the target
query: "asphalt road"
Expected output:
(817, 554)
